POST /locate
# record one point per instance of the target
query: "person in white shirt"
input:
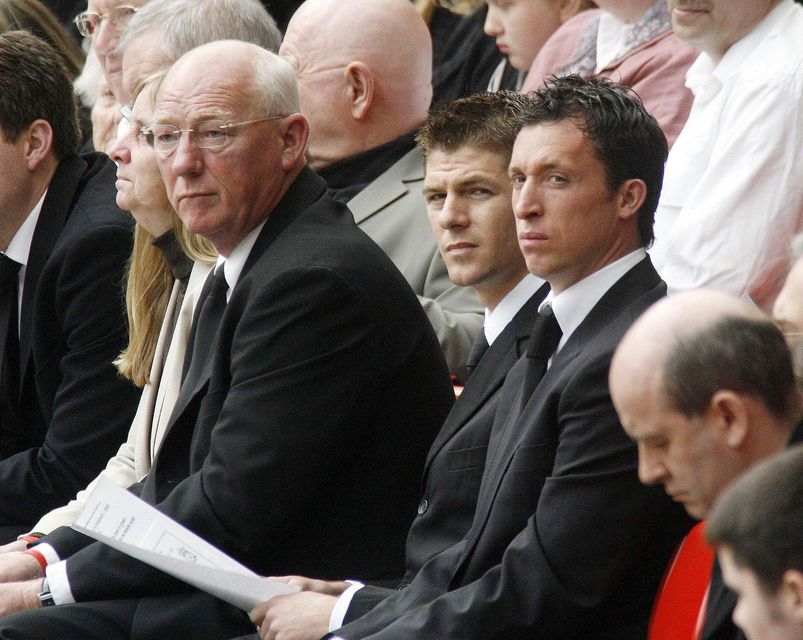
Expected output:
(732, 194)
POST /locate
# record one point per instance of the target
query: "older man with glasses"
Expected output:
(314, 383)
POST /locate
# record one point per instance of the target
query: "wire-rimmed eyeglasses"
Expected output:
(89, 21)
(206, 135)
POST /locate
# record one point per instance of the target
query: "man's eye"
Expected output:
(166, 137)
(555, 179)
(215, 134)
(436, 197)
(480, 192)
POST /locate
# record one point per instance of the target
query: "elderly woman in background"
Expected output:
(166, 272)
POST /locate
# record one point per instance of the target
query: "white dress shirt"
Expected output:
(508, 307)
(572, 305)
(19, 249)
(733, 187)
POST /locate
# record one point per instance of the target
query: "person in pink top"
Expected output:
(629, 41)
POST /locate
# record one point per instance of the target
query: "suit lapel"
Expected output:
(490, 372)
(306, 189)
(508, 430)
(388, 187)
(58, 204)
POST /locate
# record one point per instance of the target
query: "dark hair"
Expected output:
(626, 139)
(34, 84)
(760, 518)
(487, 119)
(745, 355)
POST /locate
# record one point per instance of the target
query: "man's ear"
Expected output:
(732, 417)
(295, 132)
(791, 593)
(629, 197)
(360, 81)
(38, 143)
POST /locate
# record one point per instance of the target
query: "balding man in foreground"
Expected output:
(310, 356)
(364, 102)
(704, 383)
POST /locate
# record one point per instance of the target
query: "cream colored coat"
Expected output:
(133, 460)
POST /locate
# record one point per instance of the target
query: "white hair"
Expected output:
(187, 24)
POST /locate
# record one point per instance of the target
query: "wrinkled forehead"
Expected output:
(102, 6)
(189, 97)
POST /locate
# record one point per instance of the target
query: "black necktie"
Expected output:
(211, 305)
(543, 342)
(477, 351)
(9, 341)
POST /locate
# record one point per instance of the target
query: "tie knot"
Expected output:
(546, 334)
(219, 283)
(9, 270)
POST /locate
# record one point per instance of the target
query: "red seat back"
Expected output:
(680, 599)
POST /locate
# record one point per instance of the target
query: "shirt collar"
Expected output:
(508, 307)
(237, 258)
(573, 305)
(19, 249)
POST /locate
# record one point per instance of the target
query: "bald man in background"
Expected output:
(364, 102)
(703, 382)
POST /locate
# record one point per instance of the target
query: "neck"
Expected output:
(491, 294)
(20, 208)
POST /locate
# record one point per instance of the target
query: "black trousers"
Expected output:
(189, 616)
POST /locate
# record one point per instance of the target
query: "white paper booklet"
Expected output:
(121, 520)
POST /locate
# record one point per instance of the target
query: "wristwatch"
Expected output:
(45, 596)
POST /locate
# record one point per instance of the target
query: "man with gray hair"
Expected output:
(363, 106)
(164, 30)
(160, 33)
(314, 383)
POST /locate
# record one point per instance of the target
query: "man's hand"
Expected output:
(16, 566)
(17, 545)
(299, 616)
(333, 588)
(19, 596)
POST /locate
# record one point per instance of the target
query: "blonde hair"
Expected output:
(148, 288)
(149, 283)
(36, 18)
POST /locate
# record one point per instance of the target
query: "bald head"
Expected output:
(684, 348)
(364, 71)
(649, 342)
(703, 382)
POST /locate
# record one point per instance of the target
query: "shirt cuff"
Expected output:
(47, 551)
(59, 583)
(342, 605)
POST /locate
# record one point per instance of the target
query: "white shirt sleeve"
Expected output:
(59, 583)
(342, 605)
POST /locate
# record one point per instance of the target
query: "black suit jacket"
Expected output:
(566, 542)
(319, 400)
(453, 469)
(74, 408)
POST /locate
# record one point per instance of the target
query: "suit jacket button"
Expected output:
(422, 507)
